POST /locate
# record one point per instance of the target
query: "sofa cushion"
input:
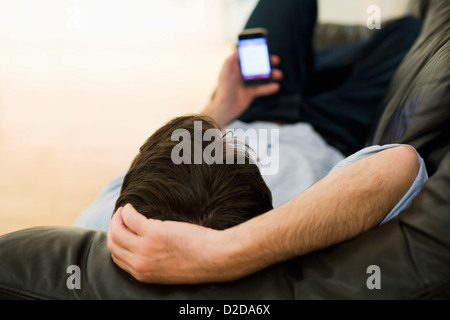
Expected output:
(416, 108)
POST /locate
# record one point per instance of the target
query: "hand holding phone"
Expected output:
(233, 96)
(254, 56)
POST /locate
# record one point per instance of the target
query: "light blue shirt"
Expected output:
(302, 158)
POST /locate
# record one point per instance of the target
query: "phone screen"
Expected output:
(255, 59)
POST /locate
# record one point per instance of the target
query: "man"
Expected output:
(369, 188)
(217, 193)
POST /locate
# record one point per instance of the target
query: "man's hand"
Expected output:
(232, 97)
(165, 252)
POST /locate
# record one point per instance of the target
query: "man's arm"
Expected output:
(340, 207)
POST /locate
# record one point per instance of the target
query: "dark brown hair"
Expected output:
(215, 195)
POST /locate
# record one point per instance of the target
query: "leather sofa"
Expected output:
(412, 251)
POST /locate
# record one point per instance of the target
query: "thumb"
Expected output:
(133, 220)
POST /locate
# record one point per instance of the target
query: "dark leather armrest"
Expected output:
(34, 262)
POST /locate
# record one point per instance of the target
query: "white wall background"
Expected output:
(338, 11)
(147, 22)
(355, 11)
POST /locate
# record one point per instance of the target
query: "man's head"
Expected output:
(216, 195)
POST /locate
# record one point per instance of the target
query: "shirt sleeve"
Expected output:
(405, 202)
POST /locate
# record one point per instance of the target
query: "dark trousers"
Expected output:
(337, 90)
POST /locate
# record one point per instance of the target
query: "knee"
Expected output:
(409, 26)
(402, 32)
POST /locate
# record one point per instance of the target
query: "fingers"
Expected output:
(267, 89)
(121, 262)
(270, 88)
(275, 60)
(277, 74)
(122, 243)
(119, 236)
(133, 220)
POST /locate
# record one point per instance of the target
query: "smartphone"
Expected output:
(254, 56)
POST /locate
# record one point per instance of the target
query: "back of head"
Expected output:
(217, 195)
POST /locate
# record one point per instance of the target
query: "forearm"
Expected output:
(339, 207)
